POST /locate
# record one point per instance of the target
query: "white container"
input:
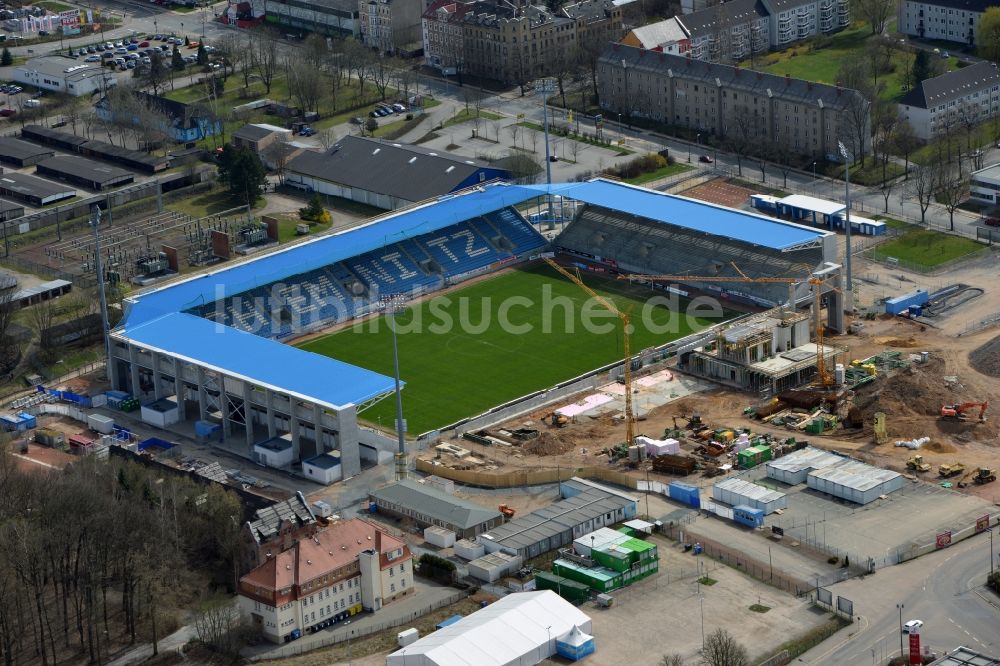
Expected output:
(100, 423)
(838, 374)
(407, 637)
(469, 550)
(438, 536)
(322, 509)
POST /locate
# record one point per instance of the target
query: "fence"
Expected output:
(305, 645)
(976, 326)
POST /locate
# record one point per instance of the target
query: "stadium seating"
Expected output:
(646, 246)
(336, 292)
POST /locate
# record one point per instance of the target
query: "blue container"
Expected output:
(698, 549)
(894, 306)
(27, 420)
(915, 310)
(685, 493)
(372, 507)
(749, 516)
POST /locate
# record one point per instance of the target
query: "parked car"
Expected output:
(7, 113)
(121, 51)
(945, 54)
(119, 44)
(193, 45)
(14, 90)
(133, 40)
(707, 159)
(132, 56)
(132, 47)
(358, 120)
(306, 131)
(913, 626)
(32, 103)
(399, 108)
(92, 58)
(43, 33)
(91, 49)
(992, 222)
(130, 64)
(143, 44)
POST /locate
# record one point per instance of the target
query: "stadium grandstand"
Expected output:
(211, 344)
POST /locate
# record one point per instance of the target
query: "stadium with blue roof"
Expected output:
(215, 343)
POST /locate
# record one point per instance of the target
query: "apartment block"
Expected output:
(940, 104)
(798, 117)
(326, 578)
(948, 20)
(512, 40)
(390, 26)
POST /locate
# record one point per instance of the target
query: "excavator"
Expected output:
(979, 476)
(957, 412)
(507, 512)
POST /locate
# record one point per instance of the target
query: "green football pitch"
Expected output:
(458, 358)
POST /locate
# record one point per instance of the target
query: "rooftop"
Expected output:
(750, 490)
(815, 204)
(64, 66)
(963, 656)
(662, 32)
(728, 76)
(705, 21)
(967, 5)
(33, 186)
(257, 131)
(83, 167)
(503, 632)
(435, 503)
(276, 444)
(808, 458)
(410, 173)
(323, 553)
(327, 460)
(992, 172)
(952, 85)
(16, 149)
(854, 474)
(268, 520)
(692, 214)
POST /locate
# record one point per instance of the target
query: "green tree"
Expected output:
(988, 34)
(6, 60)
(242, 171)
(313, 210)
(923, 67)
(187, 41)
(202, 55)
(176, 60)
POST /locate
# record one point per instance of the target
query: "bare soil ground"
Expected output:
(723, 192)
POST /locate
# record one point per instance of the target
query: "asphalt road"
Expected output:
(944, 589)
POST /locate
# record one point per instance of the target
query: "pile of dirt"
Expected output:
(986, 359)
(548, 444)
(901, 343)
(940, 447)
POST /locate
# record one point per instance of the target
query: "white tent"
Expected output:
(519, 630)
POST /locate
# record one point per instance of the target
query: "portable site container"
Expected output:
(855, 481)
(737, 492)
(28, 420)
(11, 423)
(100, 423)
(570, 590)
(685, 493)
(753, 456)
(80, 444)
(48, 437)
(749, 516)
(407, 637)
(161, 413)
(469, 550)
(596, 578)
(439, 536)
(895, 306)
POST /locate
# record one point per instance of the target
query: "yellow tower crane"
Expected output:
(626, 328)
(824, 375)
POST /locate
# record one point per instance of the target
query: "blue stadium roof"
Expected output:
(689, 213)
(260, 361)
(231, 280)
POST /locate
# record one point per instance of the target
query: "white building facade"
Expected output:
(65, 75)
(985, 185)
(338, 572)
(966, 96)
(948, 20)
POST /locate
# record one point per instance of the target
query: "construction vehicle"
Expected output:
(979, 476)
(626, 342)
(825, 378)
(507, 512)
(917, 464)
(559, 420)
(958, 412)
(954, 469)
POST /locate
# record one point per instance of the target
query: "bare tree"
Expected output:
(304, 84)
(876, 12)
(381, 74)
(216, 622)
(357, 59)
(741, 136)
(721, 649)
(921, 186)
(314, 51)
(264, 55)
(231, 47)
(327, 138)
(514, 130)
(276, 156)
(905, 141)
(671, 660)
(952, 190)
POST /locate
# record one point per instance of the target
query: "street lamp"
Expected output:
(849, 289)
(900, 608)
(991, 551)
(95, 223)
(625, 70)
(391, 303)
(814, 169)
(547, 88)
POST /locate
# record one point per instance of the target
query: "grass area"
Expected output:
(870, 175)
(813, 637)
(398, 128)
(288, 222)
(512, 330)
(705, 580)
(582, 139)
(465, 115)
(210, 203)
(805, 61)
(894, 224)
(926, 248)
(662, 172)
(53, 5)
(757, 608)
(183, 9)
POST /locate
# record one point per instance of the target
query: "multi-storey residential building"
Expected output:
(326, 17)
(390, 26)
(512, 40)
(732, 31)
(323, 579)
(442, 34)
(950, 20)
(791, 115)
(943, 103)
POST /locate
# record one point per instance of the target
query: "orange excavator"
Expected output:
(958, 412)
(507, 512)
